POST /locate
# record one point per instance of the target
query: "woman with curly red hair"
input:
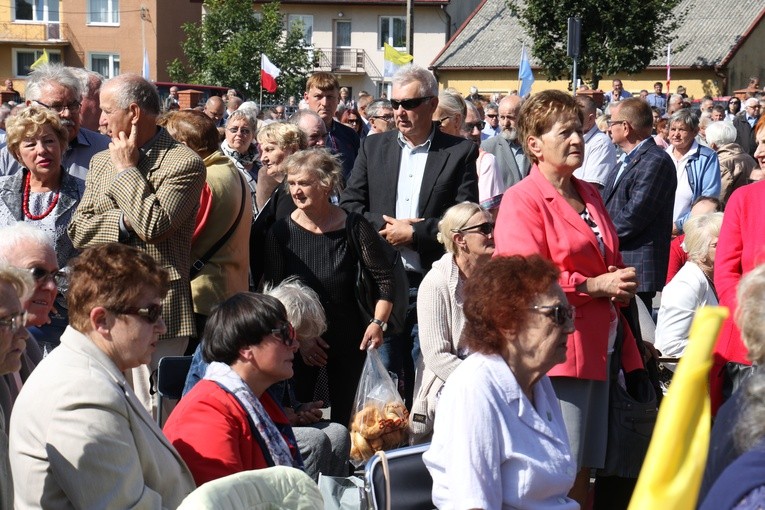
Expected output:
(499, 439)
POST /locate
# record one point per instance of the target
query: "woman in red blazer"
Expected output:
(228, 422)
(562, 218)
(740, 249)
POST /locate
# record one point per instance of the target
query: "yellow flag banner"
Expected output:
(674, 465)
(40, 61)
(394, 59)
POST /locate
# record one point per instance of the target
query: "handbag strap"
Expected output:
(386, 475)
(198, 264)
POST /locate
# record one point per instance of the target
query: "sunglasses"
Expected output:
(234, 130)
(560, 314)
(150, 314)
(286, 334)
(386, 118)
(15, 321)
(470, 126)
(492, 115)
(482, 228)
(58, 277)
(409, 104)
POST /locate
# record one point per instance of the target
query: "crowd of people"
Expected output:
(535, 234)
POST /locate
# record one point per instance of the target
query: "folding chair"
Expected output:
(171, 377)
(410, 481)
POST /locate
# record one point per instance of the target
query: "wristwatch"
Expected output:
(383, 325)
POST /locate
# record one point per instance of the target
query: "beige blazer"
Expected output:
(160, 197)
(79, 438)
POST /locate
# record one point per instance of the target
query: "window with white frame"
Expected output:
(35, 10)
(393, 31)
(107, 64)
(23, 58)
(103, 12)
(307, 26)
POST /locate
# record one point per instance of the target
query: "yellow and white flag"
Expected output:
(40, 61)
(394, 59)
(674, 465)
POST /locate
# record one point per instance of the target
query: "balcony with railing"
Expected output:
(345, 61)
(33, 32)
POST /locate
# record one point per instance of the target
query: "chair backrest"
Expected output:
(274, 487)
(171, 376)
(410, 482)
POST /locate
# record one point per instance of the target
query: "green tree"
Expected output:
(620, 37)
(224, 49)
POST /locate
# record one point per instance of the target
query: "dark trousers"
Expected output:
(399, 352)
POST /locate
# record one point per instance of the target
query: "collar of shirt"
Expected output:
(589, 134)
(148, 145)
(403, 142)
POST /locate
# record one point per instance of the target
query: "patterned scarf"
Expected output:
(222, 374)
(242, 161)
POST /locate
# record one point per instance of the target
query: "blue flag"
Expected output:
(525, 76)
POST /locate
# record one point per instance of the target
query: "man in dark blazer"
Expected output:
(744, 123)
(404, 180)
(144, 191)
(639, 195)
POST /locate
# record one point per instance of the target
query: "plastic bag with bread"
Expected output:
(380, 420)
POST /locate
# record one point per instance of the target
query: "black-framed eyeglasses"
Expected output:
(58, 277)
(14, 321)
(485, 228)
(386, 118)
(150, 314)
(286, 334)
(409, 104)
(560, 314)
(244, 130)
(470, 126)
(73, 107)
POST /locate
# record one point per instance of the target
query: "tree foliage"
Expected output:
(621, 37)
(224, 49)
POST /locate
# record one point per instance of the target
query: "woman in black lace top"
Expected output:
(313, 245)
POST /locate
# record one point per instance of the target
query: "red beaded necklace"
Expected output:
(25, 202)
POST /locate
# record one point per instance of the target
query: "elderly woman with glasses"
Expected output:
(80, 438)
(239, 146)
(499, 439)
(228, 422)
(556, 215)
(43, 195)
(466, 231)
(15, 286)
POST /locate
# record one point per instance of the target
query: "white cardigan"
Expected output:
(440, 318)
(688, 290)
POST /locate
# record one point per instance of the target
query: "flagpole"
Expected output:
(523, 47)
(260, 105)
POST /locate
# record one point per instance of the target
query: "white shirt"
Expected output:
(684, 192)
(410, 173)
(688, 290)
(492, 448)
(599, 157)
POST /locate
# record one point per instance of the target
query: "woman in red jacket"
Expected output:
(228, 422)
(554, 214)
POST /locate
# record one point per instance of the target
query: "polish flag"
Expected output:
(268, 74)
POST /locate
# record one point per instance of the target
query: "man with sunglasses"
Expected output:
(404, 180)
(144, 192)
(639, 196)
(491, 116)
(58, 88)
